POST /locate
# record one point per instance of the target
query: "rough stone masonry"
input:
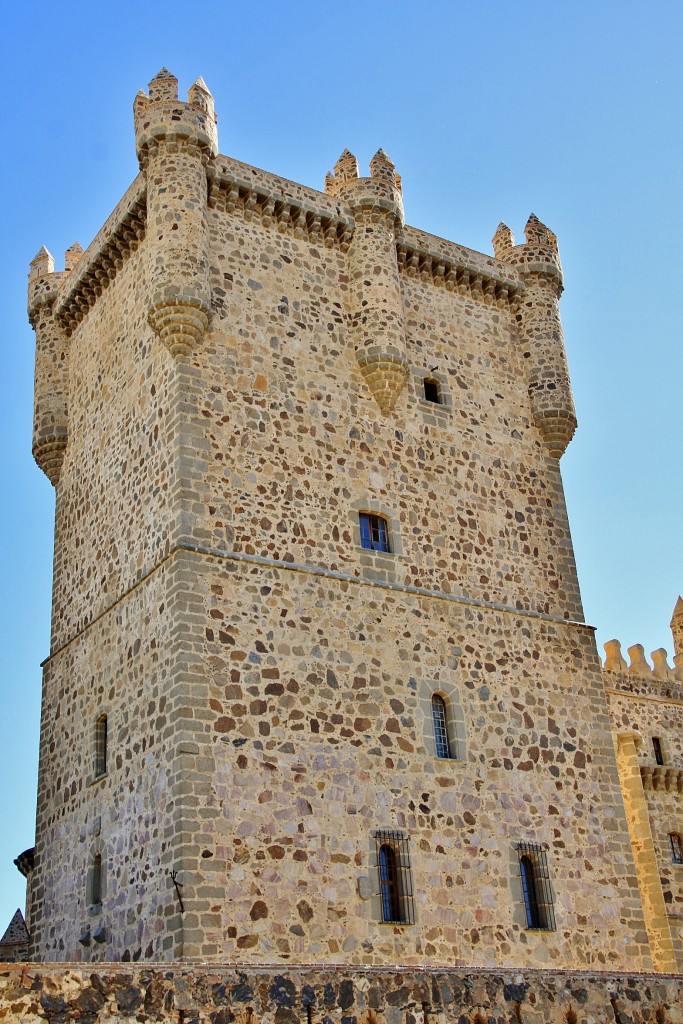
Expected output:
(320, 690)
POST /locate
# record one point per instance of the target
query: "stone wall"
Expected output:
(249, 995)
(645, 707)
(233, 405)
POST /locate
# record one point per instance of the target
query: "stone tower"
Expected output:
(319, 688)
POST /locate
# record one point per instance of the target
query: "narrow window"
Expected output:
(676, 847)
(101, 746)
(432, 392)
(373, 532)
(443, 747)
(533, 911)
(96, 884)
(388, 884)
(657, 747)
(394, 877)
(536, 891)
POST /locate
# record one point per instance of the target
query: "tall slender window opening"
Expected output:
(536, 890)
(96, 885)
(657, 747)
(101, 746)
(373, 532)
(388, 883)
(394, 877)
(533, 912)
(440, 721)
(676, 844)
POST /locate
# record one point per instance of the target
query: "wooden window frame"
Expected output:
(394, 877)
(374, 532)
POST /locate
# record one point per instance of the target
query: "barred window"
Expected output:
(676, 844)
(101, 746)
(440, 722)
(657, 747)
(394, 877)
(536, 889)
(374, 533)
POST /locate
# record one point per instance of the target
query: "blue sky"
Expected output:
(490, 111)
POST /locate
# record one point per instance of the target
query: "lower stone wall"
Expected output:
(202, 994)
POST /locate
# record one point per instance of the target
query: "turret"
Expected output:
(50, 413)
(377, 304)
(677, 633)
(175, 143)
(540, 330)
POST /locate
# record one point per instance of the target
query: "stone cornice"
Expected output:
(186, 547)
(120, 236)
(324, 219)
(234, 186)
(457, 268)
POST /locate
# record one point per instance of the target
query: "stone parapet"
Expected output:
(247, 995)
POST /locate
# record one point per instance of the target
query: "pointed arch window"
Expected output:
(440, 724)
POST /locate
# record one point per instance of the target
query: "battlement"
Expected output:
(539, 254)
(638, 666)
(162, 116)
(316, 622)
(638, 663)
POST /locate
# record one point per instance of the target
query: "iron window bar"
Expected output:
(392, 863)
(439, 719)
(536, 889)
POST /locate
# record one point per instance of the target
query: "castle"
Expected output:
(320, 691)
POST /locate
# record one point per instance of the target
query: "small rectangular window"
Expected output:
(676, 848)
(373, 532)
(536, 890)
(392, 863)
(432, 393)
(657, 747)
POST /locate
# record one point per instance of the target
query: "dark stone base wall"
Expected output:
(202, 994)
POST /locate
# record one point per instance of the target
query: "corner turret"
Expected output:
(540, 330)
(175, 144)
(50, 413)
(377, 311)
(677, 633)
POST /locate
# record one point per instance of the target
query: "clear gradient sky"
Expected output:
(490, 111)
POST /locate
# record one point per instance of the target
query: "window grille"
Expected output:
(392, 861)
(373, 532)
(657, 747)
(536, 890)
(676, 847)
(440, 721)
(101, 746)
(432, 393)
